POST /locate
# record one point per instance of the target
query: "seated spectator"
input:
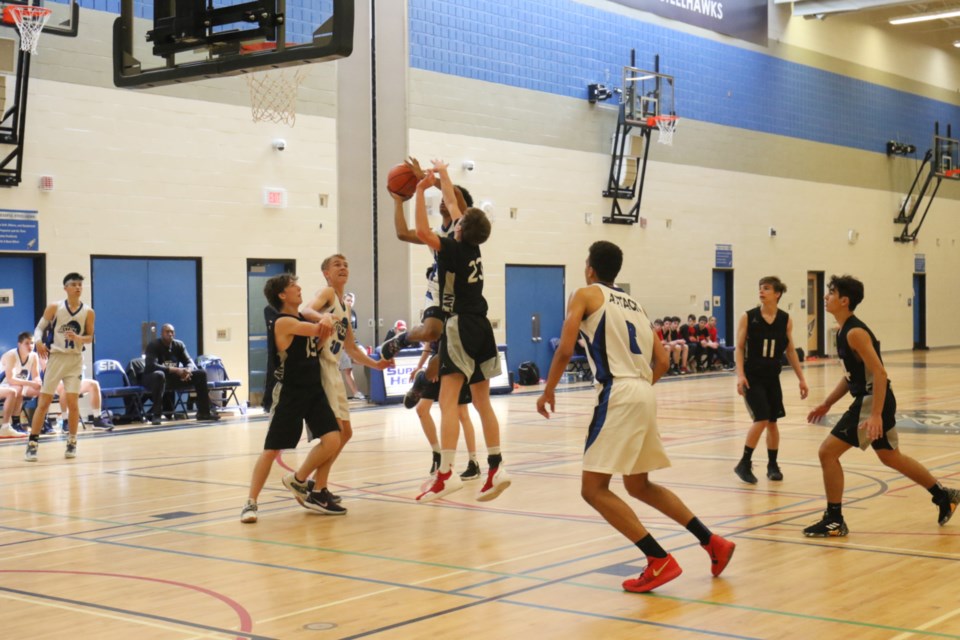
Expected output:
(398, 327)
(708, 345)
(678, 344)
(724, 353)
(168, 366)
(691, 335)
(658, 334)
(21, 368)
(96, 418)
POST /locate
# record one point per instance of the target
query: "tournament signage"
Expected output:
(920, 263)
(19, 230)
(723, 258)
(744, 19)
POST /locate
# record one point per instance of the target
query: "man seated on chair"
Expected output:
(169, 367)
(21, 380)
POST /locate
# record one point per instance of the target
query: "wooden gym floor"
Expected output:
(140, 537)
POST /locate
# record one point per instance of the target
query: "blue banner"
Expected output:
(743, 19)
(19, 230)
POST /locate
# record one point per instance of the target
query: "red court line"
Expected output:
(246, 621)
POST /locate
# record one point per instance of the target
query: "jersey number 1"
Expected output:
(632, 333)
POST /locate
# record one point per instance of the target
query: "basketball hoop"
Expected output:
(666, 126)
(273, 93)
(30, 21)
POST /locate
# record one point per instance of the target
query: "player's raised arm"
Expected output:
(424, 232)
(450, 196)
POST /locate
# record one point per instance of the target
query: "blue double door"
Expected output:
(134, 297)
(22, 296)
(258, 272)
(535, 312)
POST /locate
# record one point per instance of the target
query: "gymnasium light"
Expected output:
(923, 17)
(956, 43)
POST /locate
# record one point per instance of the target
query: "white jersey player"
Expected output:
(622, 437)
(70, 324)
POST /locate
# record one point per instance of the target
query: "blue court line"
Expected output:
(137, 614)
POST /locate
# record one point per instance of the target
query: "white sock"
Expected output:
(446, 460)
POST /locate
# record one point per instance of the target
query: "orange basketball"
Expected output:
(402, 181)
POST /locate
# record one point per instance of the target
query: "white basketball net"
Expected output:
(30, 21)
(666, 126)
(273, 95)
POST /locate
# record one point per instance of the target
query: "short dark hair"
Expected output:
(658, 321)
(23, 335)
(466, 195)
(474, 226)
(275, 286)
(847, 287)
(606, 259)
(692, 317)
(775, 283)
(73, 275)
(702, 319)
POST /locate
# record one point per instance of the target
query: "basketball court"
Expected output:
(140, 535)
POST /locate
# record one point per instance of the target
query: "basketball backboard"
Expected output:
(64, 18)
(647, 95)
(946, 157)
(196, 39)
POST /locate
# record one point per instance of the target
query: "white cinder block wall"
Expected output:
(179, 172)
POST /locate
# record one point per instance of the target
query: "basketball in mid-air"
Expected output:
(402, 181)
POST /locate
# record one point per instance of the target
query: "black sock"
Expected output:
(772, 457)
(833, 510)
(938, 492)
(700, 530)
(494, 461)
(15, 421)
(35, 438)
(747, 454)
(651, 547)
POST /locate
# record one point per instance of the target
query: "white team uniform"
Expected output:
(21, 370)
(623, 436)
(432, 298)
(330, 361)
(66, 356)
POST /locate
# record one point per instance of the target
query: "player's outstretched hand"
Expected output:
(428, 181)
(414, 165)
(816, 416)
(385, 364)
(804, 390)
(546, 399)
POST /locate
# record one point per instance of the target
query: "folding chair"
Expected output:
(222, 389)
(578, 363)
(114, 385)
